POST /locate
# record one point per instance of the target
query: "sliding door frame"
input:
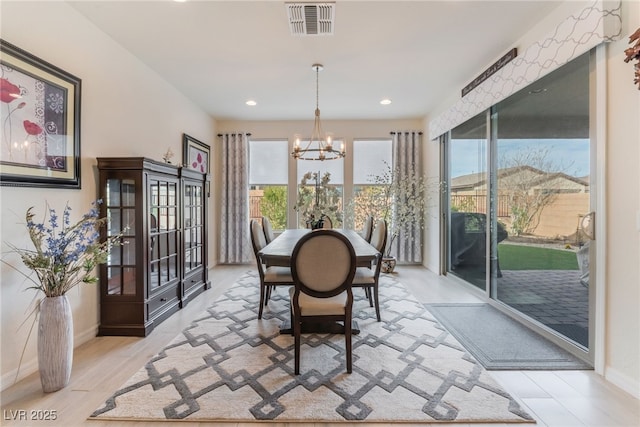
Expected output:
(595, 353)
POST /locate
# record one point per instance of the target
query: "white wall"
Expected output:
(126, 110)
(621, 246)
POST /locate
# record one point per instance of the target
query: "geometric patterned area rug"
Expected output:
(230, 366)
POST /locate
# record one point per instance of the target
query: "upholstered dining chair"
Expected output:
(367, 228)
(323, 266)
(268, 229)
(270, 276)
(366, 232)
(369, 276)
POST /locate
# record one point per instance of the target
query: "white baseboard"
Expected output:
(623, 382)
(27, 368)
(30, 366)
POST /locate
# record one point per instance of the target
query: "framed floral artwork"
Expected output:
(196, 154)
(39, 121)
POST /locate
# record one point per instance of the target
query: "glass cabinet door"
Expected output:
(120, 210)
(163, 232)
(193, 226)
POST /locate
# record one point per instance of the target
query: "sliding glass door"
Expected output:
(468, 201)
(543, 179)
(519, 195)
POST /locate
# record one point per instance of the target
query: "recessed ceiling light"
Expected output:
(180, 1)
(251, 103)
(385, 101)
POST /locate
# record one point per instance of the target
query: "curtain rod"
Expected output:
(234, 134)
(419, 132)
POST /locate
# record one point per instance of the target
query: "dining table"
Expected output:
(278, 253)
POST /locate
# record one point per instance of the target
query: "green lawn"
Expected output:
(520, 257)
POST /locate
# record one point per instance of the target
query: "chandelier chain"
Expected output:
(323, 148)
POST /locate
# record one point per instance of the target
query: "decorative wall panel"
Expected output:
(584, 29)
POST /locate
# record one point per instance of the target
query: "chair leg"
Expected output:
(296, 339)
(367, 294)
(375, 295)
(262, 300)
(347, 343)
(268, 296)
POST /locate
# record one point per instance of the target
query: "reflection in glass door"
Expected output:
(519, 195)
(468, 201)
(543, 182)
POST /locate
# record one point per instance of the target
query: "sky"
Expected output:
(570, 156)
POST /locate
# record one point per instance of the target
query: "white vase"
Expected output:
(55, 343)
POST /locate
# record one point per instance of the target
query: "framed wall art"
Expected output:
(39, 122)
(196, 154)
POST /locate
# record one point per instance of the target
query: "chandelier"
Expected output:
(318, 147)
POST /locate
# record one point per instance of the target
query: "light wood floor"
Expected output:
(554, 398)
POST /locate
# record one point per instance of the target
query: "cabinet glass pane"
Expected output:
(154, 249)
(154, 197)
(173, 218)
(187, 238)
(115, 255)
(113, 222)
(162, 193)
(114, 276)
(162, 219)
(153, 220)
(129, 281)
(173, 267)
(154, 274)
(173, 190)
(113, 192)
(187, 260)
(164, 271)
(128, 192)
(129, 251)
(187, 217)
(173, 243)
(129, 221)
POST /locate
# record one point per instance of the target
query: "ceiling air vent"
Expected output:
(311, 19)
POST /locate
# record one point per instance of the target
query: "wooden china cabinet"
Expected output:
(162, 264)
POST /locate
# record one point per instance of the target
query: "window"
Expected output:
(371, 158)
(268, 181)
(331, 194)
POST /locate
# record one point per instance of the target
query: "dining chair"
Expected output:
(367, 229)
(366, 233)
(368, 277)
(270, 276)
(268, 229)
(323, 264)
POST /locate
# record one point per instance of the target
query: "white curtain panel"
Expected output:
(234, 235)
(407, 247)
